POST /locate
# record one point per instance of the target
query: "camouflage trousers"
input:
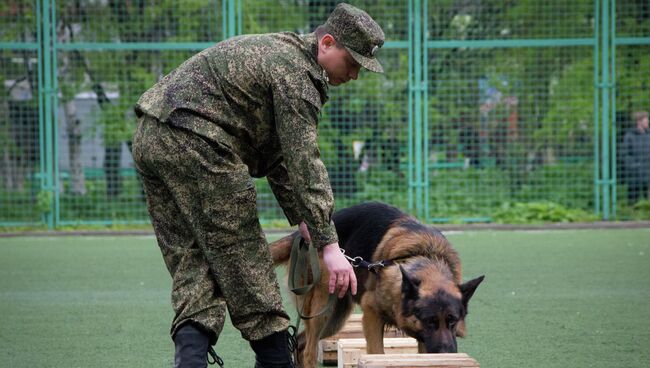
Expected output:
(204, 214)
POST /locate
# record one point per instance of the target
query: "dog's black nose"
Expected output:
(440, 348)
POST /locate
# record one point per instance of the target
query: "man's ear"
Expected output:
(326, 42)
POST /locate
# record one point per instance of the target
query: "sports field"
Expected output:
(571, 298)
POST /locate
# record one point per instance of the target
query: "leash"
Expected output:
(301, 254)
(303, 259)
(299, 271)
(370, 266)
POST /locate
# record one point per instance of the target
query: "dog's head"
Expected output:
(434, 307)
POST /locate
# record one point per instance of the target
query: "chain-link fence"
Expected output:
(487, 108)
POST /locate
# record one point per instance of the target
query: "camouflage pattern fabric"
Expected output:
(248, 106)
(258, 99)
(203, 209)
(358, 33)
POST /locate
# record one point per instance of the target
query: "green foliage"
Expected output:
(569, 125)
(478, 192)
(639, 211)
(378, 185)
(539, 212)
(96, 206)
(263, 16)
(548, 159)
(526, 18)
(457, 193)
(44, 202)
(643, 205)
(4, 119)
(117, 128)
(18, 21)
(570, 184)
(632, 78)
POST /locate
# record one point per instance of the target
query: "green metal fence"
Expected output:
(484, 106)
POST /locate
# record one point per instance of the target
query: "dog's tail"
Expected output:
(281, 249)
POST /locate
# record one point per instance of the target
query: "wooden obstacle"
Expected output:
(327, 348)
(350, 350)
(459, 360)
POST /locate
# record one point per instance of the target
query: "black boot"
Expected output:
(191, 348)
(273, 351)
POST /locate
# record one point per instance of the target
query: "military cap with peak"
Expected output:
(355, 30)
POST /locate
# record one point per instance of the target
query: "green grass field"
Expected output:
(550, 299)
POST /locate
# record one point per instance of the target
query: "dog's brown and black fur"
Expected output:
(421, 293)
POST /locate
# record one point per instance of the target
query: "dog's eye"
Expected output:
(432, 321)
(452, 321)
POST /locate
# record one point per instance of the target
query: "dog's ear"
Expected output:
(468, 288)
(409, 285)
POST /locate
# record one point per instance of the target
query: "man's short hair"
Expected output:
(639, 115)
(321, 31)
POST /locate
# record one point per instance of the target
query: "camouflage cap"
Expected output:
(358, 33)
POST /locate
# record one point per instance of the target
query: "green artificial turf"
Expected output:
(550, 299)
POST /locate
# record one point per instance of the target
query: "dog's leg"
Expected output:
(300, 348)
(421, 348)
(310, 353)
(373, 325)
(315, 302)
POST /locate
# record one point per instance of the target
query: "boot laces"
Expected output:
(215, 358)
(292, 344)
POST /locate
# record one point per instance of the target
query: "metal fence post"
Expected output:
(410, 172)
(417, 69)
(614, 162)
(48, 55)
(41, 98)
(224, 18)
(605, 108)
(55, 120)
(606, 180)
(240, 17)
(425, 107)
(418, 175)
(597, 206)
(232, 18)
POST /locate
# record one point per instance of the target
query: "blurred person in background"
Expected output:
(636, 157)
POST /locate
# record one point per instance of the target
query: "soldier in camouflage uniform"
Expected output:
(246, 107)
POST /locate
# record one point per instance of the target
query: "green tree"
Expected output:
(18, 95)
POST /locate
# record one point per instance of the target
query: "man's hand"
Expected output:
(340, 270)
(341, 273)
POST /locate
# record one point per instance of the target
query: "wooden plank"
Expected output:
(327, 354)
(356, 317)
(349, 358)
(458, 360)
(353, 329)
(349, 350)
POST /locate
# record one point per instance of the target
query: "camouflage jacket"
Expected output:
(260, 96)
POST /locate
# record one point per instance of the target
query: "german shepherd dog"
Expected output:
(419, 290)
